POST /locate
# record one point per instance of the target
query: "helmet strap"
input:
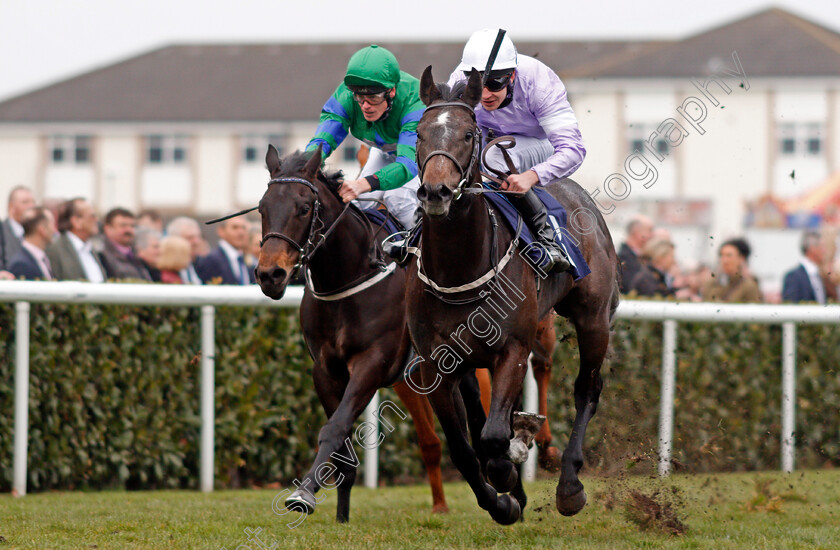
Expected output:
(390, 101)
(508, 98)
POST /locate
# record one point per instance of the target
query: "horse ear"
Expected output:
(272, 160)
(314, 163)
(472, 94)
(428, 89)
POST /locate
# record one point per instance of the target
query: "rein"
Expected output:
(437, 290)
(314, 242)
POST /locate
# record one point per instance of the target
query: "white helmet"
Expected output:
(477, 52)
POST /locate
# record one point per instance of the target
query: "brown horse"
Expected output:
(352, 316)
(474, 302)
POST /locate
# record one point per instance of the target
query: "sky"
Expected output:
(45, 41)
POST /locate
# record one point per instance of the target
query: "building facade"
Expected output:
(687, 130)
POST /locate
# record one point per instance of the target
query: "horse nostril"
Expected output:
(423, 192)
(277, 274)
(445, 192)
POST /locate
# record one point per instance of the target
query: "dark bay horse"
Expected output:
(474, 302)
(352, 316)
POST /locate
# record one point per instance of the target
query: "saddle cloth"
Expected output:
(557, 216)
(537, 257)
(378, 217)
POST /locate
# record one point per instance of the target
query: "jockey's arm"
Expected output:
(557, 119)
(404, 168)
(333, 125)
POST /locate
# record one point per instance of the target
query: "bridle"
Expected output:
(465, 172)
(314, 241)
(316, 226)
(441, 292)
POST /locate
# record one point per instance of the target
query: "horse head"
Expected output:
(448, 141)
(291, 223)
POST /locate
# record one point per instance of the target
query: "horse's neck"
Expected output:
(458, 247)
(344, 256)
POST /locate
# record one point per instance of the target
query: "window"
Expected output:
(802, 139)
(166, 149)
(639, 134)
(67, 149)
(788, 145)
(254, 147)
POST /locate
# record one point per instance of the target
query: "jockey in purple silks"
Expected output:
(524, 98)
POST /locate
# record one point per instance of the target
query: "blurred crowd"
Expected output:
(67, 240)
(649, 268)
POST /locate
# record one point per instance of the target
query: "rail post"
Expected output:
(788, 395)
(530, 404)
(372, 451)
(208, 412)
(21, 398)
(669, 375)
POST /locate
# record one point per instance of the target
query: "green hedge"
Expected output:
(114, 399)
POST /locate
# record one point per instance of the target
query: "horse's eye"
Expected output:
(468, 136)
(303, 210)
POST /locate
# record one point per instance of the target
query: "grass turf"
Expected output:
(746, 510)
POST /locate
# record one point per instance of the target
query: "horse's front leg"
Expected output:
(448, 405)
(508, 376)
(472, 396)
(593, 339)
(334, 442)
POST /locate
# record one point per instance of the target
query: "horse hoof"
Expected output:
(571, 505)
(507, 510)
(549, 459)
(300, 502)
(440, 509)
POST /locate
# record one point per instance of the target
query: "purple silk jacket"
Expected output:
(541, 110)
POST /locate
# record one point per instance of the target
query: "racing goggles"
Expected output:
(371, 99)
(496, 82)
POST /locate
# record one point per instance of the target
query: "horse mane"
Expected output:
(293, 165)
(452, 93)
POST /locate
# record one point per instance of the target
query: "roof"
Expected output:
(235, 82)
(289, 82)
(771, 43)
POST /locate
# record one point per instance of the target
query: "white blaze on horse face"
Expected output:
(443, 120)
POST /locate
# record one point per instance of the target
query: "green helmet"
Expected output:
(372, 70)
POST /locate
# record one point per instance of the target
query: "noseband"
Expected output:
(465, 172)
(316, 225)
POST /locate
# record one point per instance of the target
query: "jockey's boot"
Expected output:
(536, 216)
(396, 246)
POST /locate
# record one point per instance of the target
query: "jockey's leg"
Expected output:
(536, 216)
(377, 159)
(527, 153)
(402, 202)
